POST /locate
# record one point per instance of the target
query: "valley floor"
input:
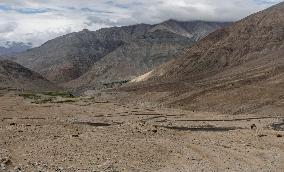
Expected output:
(93, 135)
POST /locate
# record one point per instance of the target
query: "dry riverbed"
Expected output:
(85, 134)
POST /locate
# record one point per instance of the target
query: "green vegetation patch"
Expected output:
(44, 100)
(66, 101)
(59, 94)
(50, 97)
(111, 84)
(30, 96)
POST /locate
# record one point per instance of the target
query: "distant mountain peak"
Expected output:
(171, 21)
(11, 47)
(86, 30)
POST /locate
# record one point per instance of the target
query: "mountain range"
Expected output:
(207, 66)
(8, 47)
(91, 59)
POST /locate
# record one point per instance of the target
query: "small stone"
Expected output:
(262, 135)
(155, 131)
(75, 135)
(279, 135)
(6, 161)
(253, 127)
(17, 169)
(2, 167)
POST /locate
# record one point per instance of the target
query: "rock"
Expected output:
(155, 131)
(4, 163)
(17, 169)
(253, 127)
(279, 135)
(75, 135)
(262, 135)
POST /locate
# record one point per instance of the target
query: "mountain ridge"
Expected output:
(68, 57)
(236, 69)
(16, 77)
(8, 48)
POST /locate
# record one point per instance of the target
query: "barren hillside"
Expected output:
(237, 69)
(16, 77)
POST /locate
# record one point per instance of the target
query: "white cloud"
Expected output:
(7, 27)
(38, 21)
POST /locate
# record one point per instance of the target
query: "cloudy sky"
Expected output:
(37, 21)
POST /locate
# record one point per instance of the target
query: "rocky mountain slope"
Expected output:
(16, 77)
(238, 69)
(135, 47)
(131, 60)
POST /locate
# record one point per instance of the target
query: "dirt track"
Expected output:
(89, 135)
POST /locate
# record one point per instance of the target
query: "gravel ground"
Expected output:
(89, 135)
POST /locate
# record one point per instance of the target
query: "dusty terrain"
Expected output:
(95, 134)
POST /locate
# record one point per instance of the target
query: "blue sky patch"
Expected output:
(5, 7)
(31, 10)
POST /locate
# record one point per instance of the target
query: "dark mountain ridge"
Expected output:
(16, 77)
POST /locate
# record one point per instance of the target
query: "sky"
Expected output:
(36, 21)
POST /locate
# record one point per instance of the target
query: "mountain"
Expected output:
(7, 47)
(237, 69)
(15, 76)
(154, 46)
(194, 29)
(66, 57)
(100, 54)
(131, 59)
